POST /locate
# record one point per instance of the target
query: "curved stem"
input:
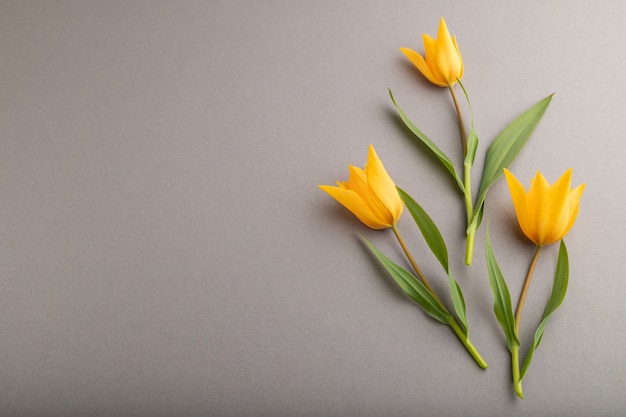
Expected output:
(414, 264)
(469, 207)
(469, 244)
(522, 297)
(452, 322)
(459, 116)
(467, 182)
(517, 382)
(468, 344)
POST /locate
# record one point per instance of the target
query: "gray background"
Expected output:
(164, 249)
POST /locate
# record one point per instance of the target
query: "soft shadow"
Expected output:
(412, 71)
(386, 279)
(429, 158)
(389, 281)
(336, 213)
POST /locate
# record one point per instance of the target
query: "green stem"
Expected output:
(469, 207)
(522, 297)
(468, 344)
(455, 326)
(469, 244)
(459, 116)
(414, 264)
(517, 382)
(471, 228)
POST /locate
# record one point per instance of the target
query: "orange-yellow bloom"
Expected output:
(443, 64)
(547, 212)
(370, 194)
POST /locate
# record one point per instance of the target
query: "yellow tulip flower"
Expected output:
(547, 212)
(370, 194)
(443, 64)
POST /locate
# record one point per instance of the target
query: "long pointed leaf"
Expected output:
(412, 287)
(472, 137)
(508, 144)
(443, 158)
(559, 288)
(472, 146)
(502, 298)
(478, 214)
(437, 245)
(428, 228)
(458, 300)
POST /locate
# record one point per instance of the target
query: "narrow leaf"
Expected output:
(412, 287)
(559, 288)
(472, 138)
(502, 298)
(437, 245)
(441, 156)
(428, 228)
(472, 145)
(508, 144)
(478, 214)
(458, 300)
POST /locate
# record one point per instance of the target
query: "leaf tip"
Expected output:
(391, 95)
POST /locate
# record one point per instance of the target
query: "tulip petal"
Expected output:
(460, 58)
(447, 56)
(430, 46)
(383, 186)
(353, 202)
(421, 65)
(441, 64)
(551, 210)
(537, 190)
(359, 183)
(555, 210)
(574, 205)
(442, 32)
(520, 203)
(430, 54)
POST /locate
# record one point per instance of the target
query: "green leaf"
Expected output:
(472, 145)
(502, 298)
(478, 214)
(428, 228)
(559, 288)
(412, 287)
(443, 158)
(472, 138)
(458, 300)
(508, 144)
(437, 245)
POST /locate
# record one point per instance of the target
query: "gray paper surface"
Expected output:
(165, 250)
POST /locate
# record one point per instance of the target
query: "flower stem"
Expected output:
(468, 344)
(469, 207)
(414, 264)
(522, 297)
(517, 382)
(467, 182)
(459, 116)
(452, 322)
(469, 244)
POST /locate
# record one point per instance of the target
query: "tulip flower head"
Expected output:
(370, 194)
(443, 64)
(547, 212)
